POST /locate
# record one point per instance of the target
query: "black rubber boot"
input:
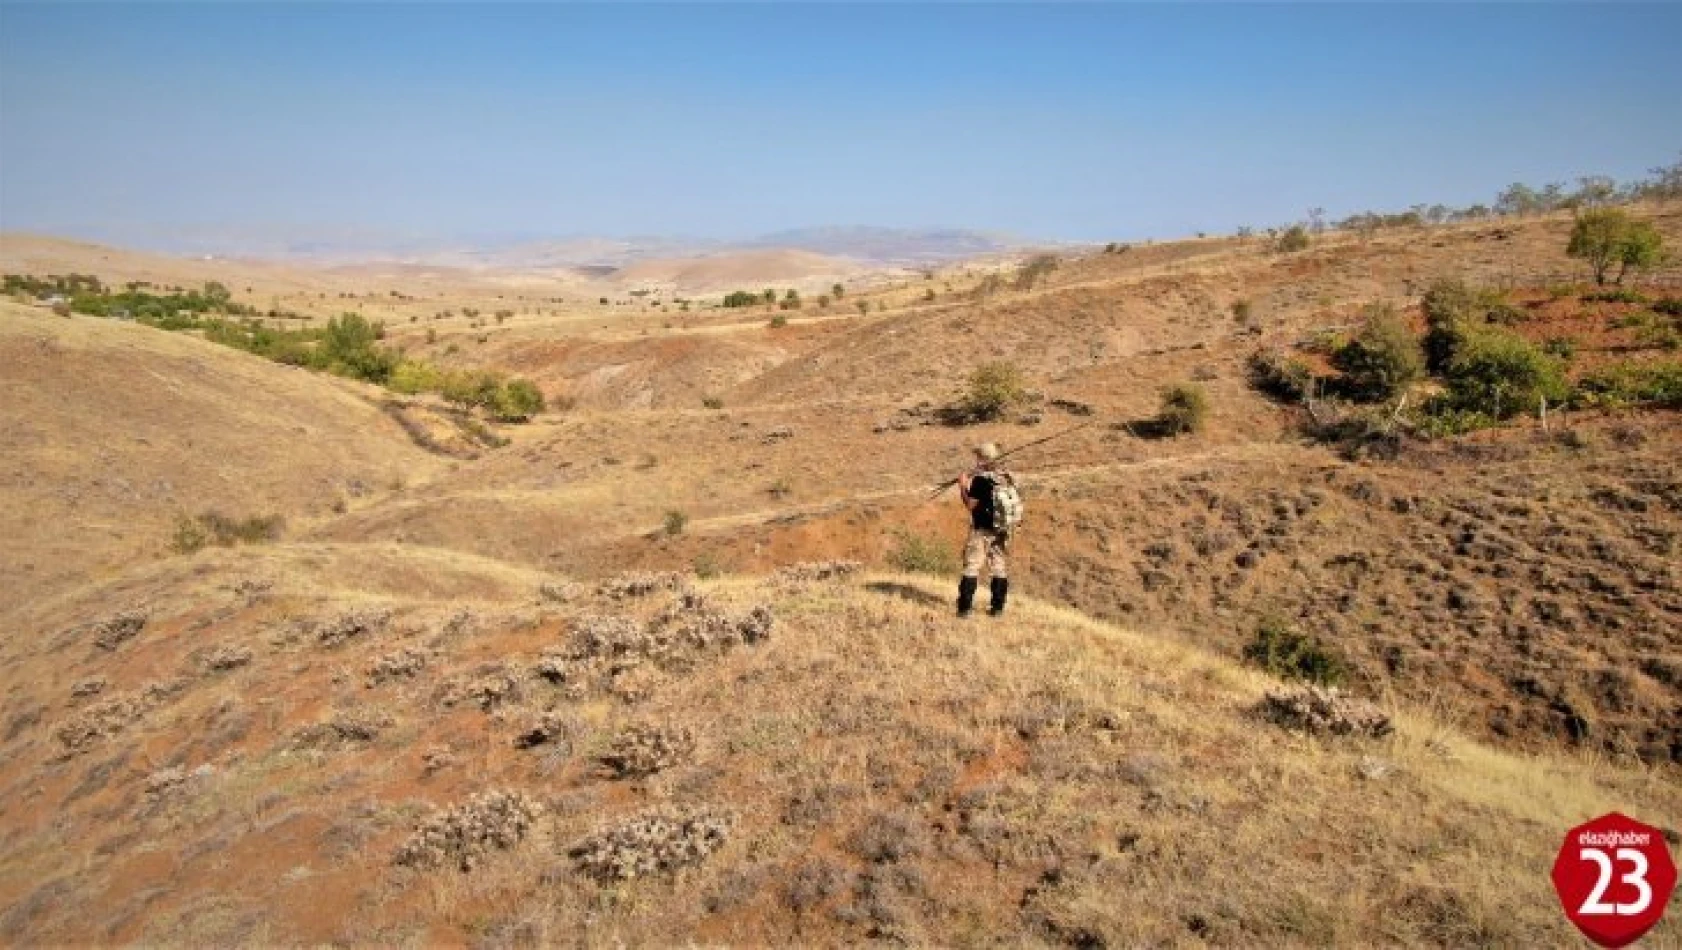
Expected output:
(966, 595)
(1001, 589)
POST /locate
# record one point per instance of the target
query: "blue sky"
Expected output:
(144, 122)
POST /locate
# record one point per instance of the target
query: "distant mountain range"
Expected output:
(866, 245)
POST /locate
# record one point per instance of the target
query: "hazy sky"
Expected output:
(142, 122)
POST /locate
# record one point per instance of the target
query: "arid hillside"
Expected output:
(385, 744)
(113, 433)
(674, 659)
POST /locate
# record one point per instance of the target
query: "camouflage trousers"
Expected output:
(989, 548)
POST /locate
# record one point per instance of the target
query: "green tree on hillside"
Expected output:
(1609, 236)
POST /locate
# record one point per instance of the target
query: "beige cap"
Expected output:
(987, 451)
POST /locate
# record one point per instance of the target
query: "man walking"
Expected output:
(989, 493)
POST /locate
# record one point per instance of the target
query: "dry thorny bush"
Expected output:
(351, 624)
(661, 840)
(111, 632)
(402, 663)
(464, 833)
(623, 656)
(226, 657)
(111, 716)
(812, 571)
(640, 584)
(1324, 710)
(361, 724)
(645, 749)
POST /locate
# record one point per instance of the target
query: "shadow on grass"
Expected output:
(1149, 430)
(906, 592)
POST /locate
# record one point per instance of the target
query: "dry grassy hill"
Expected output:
(112, 432)
(824, 760)
(795, 759)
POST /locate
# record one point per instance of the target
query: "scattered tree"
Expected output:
(1609, 236)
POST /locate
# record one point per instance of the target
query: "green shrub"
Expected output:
(1615, 296)
(712, 402)
(517, 401)
(1283, 377)
(1294, 238)
(917, 554)
(411, 377)
(1659, 337)
(675, 522)
(1185, 408)
(1633, 384)
(1669, 306)
(706, 565)
(472, 389)
(1383, 359)
(1562, 347)
(1241, 310)
(778, 322)
(1453, 310)
(992, 389)
(1500, 373)
(1442, 420)
(1283, 652)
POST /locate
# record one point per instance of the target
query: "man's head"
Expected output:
(986, 454)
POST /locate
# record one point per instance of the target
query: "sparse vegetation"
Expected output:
(991, 391)
(211, 528)
(1383, 359)
(1279, 649)
(674, 523)
(1184, 409)
(1280, 375)
(1035, 270)
(1292, 239)
(919, 554)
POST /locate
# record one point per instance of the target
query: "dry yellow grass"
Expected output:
(888, 771)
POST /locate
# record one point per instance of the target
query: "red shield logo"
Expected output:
(1614, 876)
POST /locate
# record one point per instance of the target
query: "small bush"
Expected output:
(992, 390)
(706, 565)
(1615, 296)
(1185, 408)
(1283, 652)
(1383, 359)
(1034, 270)
(778, 322)
(1280, 376)
(1562, 347)
(1669, 306)
(1502, 374)
(517, 401)
(1241, 310)
(675, 522)
(211, 528)
(917, 554)
(1628, 384)
(1294, 238)
(712, 402)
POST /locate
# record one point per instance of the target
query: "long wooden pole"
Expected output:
(1004, 455)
